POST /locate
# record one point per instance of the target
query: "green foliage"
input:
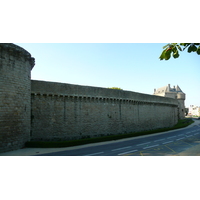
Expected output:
(56, 144)
(173, 49)
(115, 88)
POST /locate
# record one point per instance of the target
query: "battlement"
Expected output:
(45, 88)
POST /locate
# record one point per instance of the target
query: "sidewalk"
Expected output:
(193, 151)
(36, 151)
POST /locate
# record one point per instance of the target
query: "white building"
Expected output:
(194, 110)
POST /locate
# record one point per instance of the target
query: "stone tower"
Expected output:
(175, 93)
(15, 99)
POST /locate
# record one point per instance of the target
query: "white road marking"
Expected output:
(171, 137)
(181, 138)
(143, 143)
(167, 142)
(127, 152)
(158, 140)
(94, 154)
(151, 146)
(189, 136)
(121, 148)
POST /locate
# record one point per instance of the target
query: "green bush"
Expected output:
(115, 88)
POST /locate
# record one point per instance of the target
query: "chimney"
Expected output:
(168, 88)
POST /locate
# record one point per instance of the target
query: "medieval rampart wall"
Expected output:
(65, 111)
(39, 110)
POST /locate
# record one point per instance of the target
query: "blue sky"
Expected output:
(130, 66)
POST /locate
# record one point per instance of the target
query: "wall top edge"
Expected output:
(101, 98)
(65, 89)
(10, 47)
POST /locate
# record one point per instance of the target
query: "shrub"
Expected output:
(115, 88)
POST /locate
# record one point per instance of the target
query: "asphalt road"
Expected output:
(162, 144)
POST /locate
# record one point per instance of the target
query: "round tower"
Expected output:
(181, 101)
(180, 96)
(15, 96)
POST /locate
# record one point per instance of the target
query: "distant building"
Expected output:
(175, 93)
(194, 110)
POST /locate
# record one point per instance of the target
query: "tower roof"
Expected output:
(178, 89)
(161, 90)
(168, 89)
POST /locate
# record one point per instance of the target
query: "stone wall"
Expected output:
(65, 111)
(39, 110)
(15, 102)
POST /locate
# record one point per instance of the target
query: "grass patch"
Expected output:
(56, 144)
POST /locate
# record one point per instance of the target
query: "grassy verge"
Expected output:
(54, 144)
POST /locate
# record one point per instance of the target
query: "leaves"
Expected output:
(179, 47)
(165, 46)
(169, 49)
(168, 53)
(175, 52)
(174, 48)
(189, 49)
(162, 56)
(198, 50)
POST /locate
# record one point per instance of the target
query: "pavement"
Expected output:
(193, 151)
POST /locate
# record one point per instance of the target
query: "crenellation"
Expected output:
(101, 99)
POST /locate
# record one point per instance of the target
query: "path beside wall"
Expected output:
(65, 111)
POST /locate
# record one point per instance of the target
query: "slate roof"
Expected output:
(168, 89)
